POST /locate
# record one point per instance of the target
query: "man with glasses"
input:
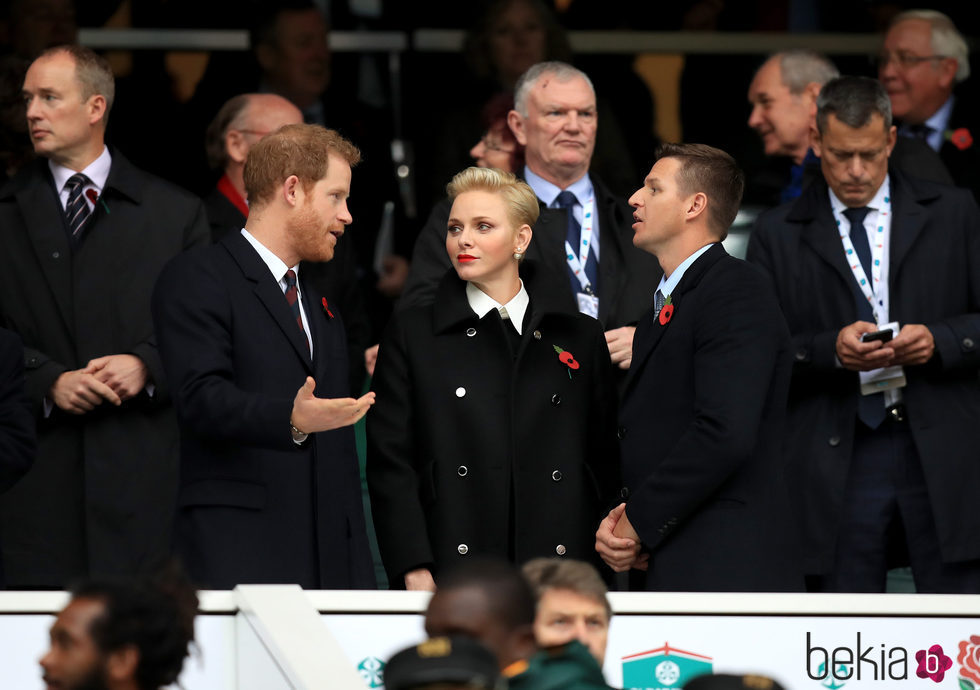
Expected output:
(923, 58)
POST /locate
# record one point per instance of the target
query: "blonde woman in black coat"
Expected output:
(493, 431)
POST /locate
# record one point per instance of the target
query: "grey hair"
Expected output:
(799, 68)
(561, 71)
(946, 40)
(853, 100)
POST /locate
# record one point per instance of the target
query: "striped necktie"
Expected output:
(292, 296)
(76, 210)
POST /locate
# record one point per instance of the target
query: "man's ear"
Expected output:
(121, 665)
(236, 146)
(516, 124)
(815, 141)
(292, 191)
(697, 206)
(96, 108)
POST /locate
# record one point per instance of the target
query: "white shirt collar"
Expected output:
(877, 201)
(548, 192)
(97, 172)
(481, 303)
(276, 265)
(667, 285)
(940, 119)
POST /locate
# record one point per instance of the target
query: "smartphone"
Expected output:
(884, 336)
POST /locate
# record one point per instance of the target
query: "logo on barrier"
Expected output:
(372, 671)
(933, 663)
(969, 661)
(665, 668)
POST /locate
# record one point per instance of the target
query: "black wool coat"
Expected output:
(473, 451)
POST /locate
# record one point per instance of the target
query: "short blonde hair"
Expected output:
(522, 204)
(300, 150)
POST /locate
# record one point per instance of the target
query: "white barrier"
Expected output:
(657, 640)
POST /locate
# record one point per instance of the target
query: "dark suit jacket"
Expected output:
(467, 445)
(701, 429)
(628, 277)
(18, 442)
(253, 507)
(336, 280)
(933, 280)
(100, 495)
(964, 164)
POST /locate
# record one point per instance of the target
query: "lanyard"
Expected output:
(877, 253)
(577, 263)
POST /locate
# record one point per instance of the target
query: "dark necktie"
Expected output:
(76, 210)
(573, 236)
(513, 337)
(658, 303)
(871, 408)
(859, 237)
(292, 296)
(919, 131)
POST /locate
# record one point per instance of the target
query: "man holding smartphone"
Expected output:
(876, 275)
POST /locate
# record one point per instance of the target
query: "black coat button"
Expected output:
(624, 493)
(968, 343)
(801, 355)
(556, 476)
(834, 441)
(462, 471)
(556, 400)
(621, 433)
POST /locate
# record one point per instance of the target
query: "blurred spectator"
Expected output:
(75, 283)
(498, 147)
(491, 602)
(444, 663)
(572, 604)
(923, 64)
(241, 121)
(783, 95)
(122, 634)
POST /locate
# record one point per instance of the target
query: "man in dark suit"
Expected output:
(883, 435)
(582, 236)
(269, 485)
(704, 405)
(924, 62)
(85, 234)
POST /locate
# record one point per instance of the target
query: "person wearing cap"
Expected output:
(444, 662)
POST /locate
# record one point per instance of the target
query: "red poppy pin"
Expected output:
(961, 138)
(566, 358)
(666, 311)
(326, 308)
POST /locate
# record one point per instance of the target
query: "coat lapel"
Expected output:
(39, 205)
(820, 230)
(909, 218)
(650, 331)
(269, 293)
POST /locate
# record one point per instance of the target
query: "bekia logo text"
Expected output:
(873, 662)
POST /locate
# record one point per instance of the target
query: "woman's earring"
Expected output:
(518, 254)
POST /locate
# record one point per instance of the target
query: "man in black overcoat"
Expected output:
(83, 236)
(555, 119)
(702, 415)
(872, 452)
(269, 487)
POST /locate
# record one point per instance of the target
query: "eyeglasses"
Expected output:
(493, 145)
(256, 132)
(905, 60)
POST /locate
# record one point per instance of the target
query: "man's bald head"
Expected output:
(241, 122)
